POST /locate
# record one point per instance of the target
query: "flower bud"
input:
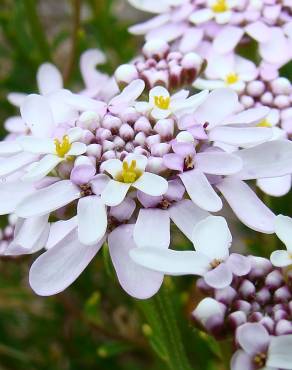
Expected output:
(282, 101)
(155, 165)
(281, 85)
(226, 295)
(126, 132)
(153, 139)
(111, 123)
(88, 120)
(158, 150)
(94, 150)
(126, 73)
(283, 327)
(268, 323)
(274, 279)
(282, 294)
(242, 305)
(263, 295)
(103, 134)
(143, 125)
(155, 48)
(235, 319)
(165, 128)
(267, 98)
(255, 88)
(246, 289)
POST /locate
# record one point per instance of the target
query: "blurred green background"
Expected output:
(94, 324)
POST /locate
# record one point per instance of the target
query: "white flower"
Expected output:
(55, 150)
(162, 105)
(283, 229)
(130, 172)
(220, 10)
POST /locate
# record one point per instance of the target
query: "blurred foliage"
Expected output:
(94, 324)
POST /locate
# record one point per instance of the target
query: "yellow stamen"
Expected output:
(260, 359)
(162, 102)
(264, 123)
(130, 173)
(220, 6)
(62, 147)
(231, 78)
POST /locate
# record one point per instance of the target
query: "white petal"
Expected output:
(129, 94)
(189, 105)
(248, 117)
(275, 186)
(280, 354)
(151, 184)
(49, 78)
(9, 147)
(169, 261)
(185, 214)
(16, 99)
(112, 166)
(77, 149)
(61, 265)
(114, 192)
(12, 193)
(136, 280)
(227, 39)
(201, 16)
(141, 160)
(15, 124)
(92, 220)
(241, 136)
(48, 199)
(36, 112)
(200, 190)
(152, 228)
(271, 159)
(283, 229)
(42, 168)
(59, 230)
(247, 206)
(210, 229)
(15, 162)
(281, 258)
(218, 163)
(158, 113)
(36, 145)
(157, 91)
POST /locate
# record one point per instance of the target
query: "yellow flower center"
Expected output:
(220, 6)
(62, 147)
(260, 360)
(231, 78)
(162, 102)
(130, 173)
(264, 123)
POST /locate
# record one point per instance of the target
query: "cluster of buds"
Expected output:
(159, 66)
(262, 296)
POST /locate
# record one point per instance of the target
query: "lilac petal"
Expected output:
(253, 338)
(82, 174)
(185, 214)
(170, 262)
(167, 32)
(183, 149)
(142, 28)
(49, 79)
(98, 183)
(275, 186)
(238, 264)
(136, 280)
(198, 132)
(152, 228)
(241, 361)
(200, 190)
(129, 94)
(148, 201)
(173, 161)
(123, 211)
(258, 31)
(280, 354)
(241, 136)
(191, 39)
(61, 265)
(88, 62)
(270, 159)
(218, 163)
(247, 206)
(175, 190)
(220, 277)
(59, 230)
(250, 116)
(19, 190)
(227, 39)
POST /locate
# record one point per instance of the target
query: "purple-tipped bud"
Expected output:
(89, 120)
(155, 165)
(126, 73)
(140, 139)
(204, 287)
(94, 150)
(87, 137)
(155, 48)
(226, 295)
(282, 294)
(267, 98)
(246, 289)
(263, 296)
(255, 306)
(153, 139)
(158, 150)
(255, 317)
(242, 305)
(283, 327)
(103, 134)
(142, 151)
(165, 128)
(247, 101)
(235, 319)
(274, 280)
(281, 85)
(260, 267)
(282, 101)
(268, 323)
(191, 60)
(119, 143)
(107, 145)
(129, 115)
(143, 125)
(280, 314)
(108, 155)
(255, 88)
(111, 123)
(126, 132)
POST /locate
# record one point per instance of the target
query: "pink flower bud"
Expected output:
(235, 319)
(255, 88)
(165, 128)
(153, 139)
(94, 150)
(111, 123)
(143, 125)
(267, 98)
(107, 145)
(140, 138)
(246, 289)
(158, 150)
(155, 48)
(126, 73)
(281, 85)
(126, 132)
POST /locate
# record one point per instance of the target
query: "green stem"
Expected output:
(37, 29)
(165, 336)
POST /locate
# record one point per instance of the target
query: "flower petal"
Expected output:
(136, 280)
(253, 338)
(129, 94)
(210, 229)
(112, 166)
(152, 228)
(14, 163)
(151, 184)
(248, 117)
(275, 186)
(218, 163)
(48, 199)
(271, 159)
(227, 39)
(91, 219)
(77, 149)
(220, 277)
(281, 258)
(240, 265)
(49, 79)
(42, 168)
(280, 354)
(61, 265)
(124, 211)
(201, 16)
(200, 190)
(170, 262)
(241, 136)
(9, 147)
(19, 190)
(59, 230)
(141, 160)
(241, 361)
(185, 214)
(283, 230)
(114, 193)
(37, 114)
(37, 145)
(247, 206)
